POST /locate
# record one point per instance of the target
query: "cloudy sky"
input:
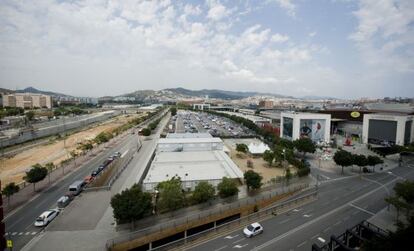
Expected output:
(342, 48)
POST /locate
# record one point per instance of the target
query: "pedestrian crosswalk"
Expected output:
(20, 233)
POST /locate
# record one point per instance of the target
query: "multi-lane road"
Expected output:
(341, 204)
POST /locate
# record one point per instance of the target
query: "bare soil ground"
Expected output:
(13, 169)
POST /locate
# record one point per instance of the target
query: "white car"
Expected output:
(252, 230)
(46, 217)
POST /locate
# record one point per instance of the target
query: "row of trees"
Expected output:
(344, 159)
(36, 174)
(133, 204)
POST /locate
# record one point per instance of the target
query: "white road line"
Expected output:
(313, 237)
(124, 153)
(337, 223)
(27, 233)
(242, 239)
(307, 215)
(298, 228)
(240, 246)
(284, 221)
(363, 210)
(21, 233)
(33, 233)
(300, 245)
(218, 249)
(296, 210)
(231, 237)
(321, 239)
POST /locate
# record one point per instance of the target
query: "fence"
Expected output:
(204, 214)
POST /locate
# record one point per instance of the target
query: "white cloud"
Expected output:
(385, 34)
(217, 11)
(288, 6)
(278, 38)
(312, 34)
(110, 48)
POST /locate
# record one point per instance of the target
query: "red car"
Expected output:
(88, 179)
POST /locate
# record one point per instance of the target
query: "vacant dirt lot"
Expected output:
(259, 165)
(13, 169)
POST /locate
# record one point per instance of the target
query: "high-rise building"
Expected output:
(27, 100)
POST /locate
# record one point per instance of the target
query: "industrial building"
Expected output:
(388, 129)
(295, 125)
(192, 160)
(27, 100)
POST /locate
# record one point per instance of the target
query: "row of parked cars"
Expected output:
(74, 189)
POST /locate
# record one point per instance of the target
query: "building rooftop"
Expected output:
(194, 166)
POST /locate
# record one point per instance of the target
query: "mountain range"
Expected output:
(174, 92)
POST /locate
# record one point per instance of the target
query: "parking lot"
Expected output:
(193, 122)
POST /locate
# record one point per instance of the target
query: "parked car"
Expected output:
(88, 179)
(63, 201)
(76, 187)
(117, 154)
(252, 230)
(46, 217)
(95, 173)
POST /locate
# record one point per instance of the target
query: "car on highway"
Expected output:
(76, 187)
(253, 230)
(46, 217)
(63, 201)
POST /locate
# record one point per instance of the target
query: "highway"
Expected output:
(341, 204)
(19, 226)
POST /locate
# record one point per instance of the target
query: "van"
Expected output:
(76, 187)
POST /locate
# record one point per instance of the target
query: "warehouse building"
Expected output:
(192, 160)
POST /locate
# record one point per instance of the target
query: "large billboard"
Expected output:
(382, 132)
(313, 129)
(287, 127)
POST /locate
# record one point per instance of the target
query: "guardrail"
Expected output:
(204, 214)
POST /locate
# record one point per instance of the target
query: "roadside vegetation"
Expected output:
(345, 159)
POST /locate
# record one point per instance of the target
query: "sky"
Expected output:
(338, 48)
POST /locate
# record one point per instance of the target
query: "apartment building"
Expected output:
(27, 100)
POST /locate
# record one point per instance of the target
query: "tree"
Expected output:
(268, 156)
(286, 143)
(9, 190)
(35, 174)
(173, 111)
(203, 192)
(171, 196)
(253, 179)
(131, 204)
(227, 187)
(50, 166)
(146, 132)
(304, 171)
(373, 161)
(343, 158)
(30, 115)
(288, 175)
(242, 148)
(304, 145)
(359, 160)
(103, 137)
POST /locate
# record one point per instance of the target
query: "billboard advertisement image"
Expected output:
(287, 127)
(313, 129)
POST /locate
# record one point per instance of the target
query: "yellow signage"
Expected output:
(9, 243)
(355, 114)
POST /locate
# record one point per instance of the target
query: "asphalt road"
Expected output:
(19, 225)
(341, 204)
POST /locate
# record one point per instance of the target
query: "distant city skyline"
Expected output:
(336, 48)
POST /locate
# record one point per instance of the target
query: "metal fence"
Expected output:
(204, 214)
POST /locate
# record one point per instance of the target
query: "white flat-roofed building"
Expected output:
(172, 144)
(295, 125)
(191, 168)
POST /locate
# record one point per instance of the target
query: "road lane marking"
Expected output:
(218, 249)
(363, 210)
(337, 223)
(277, 238)
(242, 239)
(307, 215)
(284, 221)
(300, 245)
(21, 233)
(33, 233)
(296, 210)
(14, 233)
(313, 237)
(240, 246)
(321, 239)
(231, 237)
